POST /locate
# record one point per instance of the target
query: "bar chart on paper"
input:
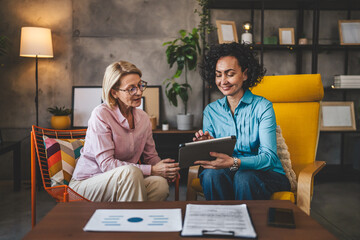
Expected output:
(135, 220)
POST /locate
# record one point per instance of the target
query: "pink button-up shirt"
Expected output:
(110, 143)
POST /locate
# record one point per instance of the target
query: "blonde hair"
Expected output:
(112, 79)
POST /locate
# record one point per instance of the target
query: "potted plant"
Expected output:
(165, 125)
(60, 118)
(205, 27)
(184, 52)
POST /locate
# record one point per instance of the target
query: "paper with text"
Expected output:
(135, 220)
(231, 220)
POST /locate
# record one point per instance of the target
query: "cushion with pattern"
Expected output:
(62, 155)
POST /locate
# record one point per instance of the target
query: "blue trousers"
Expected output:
(223, 184)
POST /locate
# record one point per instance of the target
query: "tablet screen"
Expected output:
(200, 150)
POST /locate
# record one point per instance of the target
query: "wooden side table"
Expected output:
(15, 147)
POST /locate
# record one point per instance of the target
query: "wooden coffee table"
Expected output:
(66, 221)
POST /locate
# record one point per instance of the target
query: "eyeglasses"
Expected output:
(132, 91)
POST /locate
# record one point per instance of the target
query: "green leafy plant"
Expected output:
(205, 26)
(59, 111)
(184, 52)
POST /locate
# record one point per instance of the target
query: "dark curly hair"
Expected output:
(244, 55)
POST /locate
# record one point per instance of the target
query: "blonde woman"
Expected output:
(118, 135)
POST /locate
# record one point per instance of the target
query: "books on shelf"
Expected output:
(346, 81)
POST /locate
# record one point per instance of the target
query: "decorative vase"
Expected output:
(246, 38)
(165, 127)
(185, 121)
(60, 122)
(303, 41)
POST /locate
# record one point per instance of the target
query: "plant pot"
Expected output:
(165, 127)
(60, 122)
(185, 122)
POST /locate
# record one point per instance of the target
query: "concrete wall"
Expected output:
(90, 34)
(87, 36)
(17, 76)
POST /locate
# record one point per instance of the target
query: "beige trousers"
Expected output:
(125, 183)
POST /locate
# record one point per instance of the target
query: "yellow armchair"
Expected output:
(296, 100)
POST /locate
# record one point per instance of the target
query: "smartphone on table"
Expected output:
(281, 217)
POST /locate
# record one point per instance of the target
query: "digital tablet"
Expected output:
(193, 151)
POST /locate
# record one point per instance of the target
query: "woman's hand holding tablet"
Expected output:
(207, 150)
(200, 135)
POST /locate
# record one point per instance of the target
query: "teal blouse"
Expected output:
(254, 126)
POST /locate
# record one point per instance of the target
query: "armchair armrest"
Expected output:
(190, 192)
(305, 184)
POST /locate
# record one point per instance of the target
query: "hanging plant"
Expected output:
(205, 26)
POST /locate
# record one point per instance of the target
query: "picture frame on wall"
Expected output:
(286, 36)
(349, 31)
(337, 116)
(226, 31)
(84, 100)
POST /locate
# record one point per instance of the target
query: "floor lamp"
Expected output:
(36, 42)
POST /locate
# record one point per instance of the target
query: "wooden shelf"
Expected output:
(281, 47)
(299, 6)
(342, 131)
(285, 4)
(338, 47)
(321, 47)
(339, 89)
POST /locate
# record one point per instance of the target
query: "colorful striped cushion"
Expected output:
(62, 155)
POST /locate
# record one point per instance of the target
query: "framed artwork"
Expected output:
(337, 116)
(152, 94)
(349, 31)
(286, 36)
(226, 31)
(84, 100)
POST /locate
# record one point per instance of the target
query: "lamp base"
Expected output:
(246, 38)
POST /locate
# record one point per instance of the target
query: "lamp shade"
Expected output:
(36, 41)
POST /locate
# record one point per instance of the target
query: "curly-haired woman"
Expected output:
(254, 171)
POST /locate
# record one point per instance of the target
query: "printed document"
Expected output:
(135, 220)
(226, 220)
